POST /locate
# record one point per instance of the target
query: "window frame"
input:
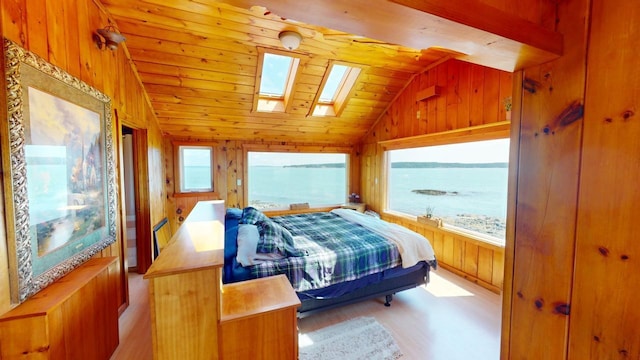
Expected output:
(177, 168)
(344, 92)
(494, 131)
(276, 104)
(346, 150)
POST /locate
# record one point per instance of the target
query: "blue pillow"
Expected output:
(231, 221)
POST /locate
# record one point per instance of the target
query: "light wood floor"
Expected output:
(450, 319)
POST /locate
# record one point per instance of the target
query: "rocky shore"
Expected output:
(434, 192)
(480, 223)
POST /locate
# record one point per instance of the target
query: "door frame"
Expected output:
(144, 243)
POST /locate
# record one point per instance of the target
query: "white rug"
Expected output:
(357, 339)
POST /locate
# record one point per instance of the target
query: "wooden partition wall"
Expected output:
(574, 284)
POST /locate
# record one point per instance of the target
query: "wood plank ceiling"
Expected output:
(198, 64)
(198, 60)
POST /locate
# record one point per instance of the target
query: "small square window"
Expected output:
(195, 168)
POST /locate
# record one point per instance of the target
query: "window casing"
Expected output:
(194, 168)
(464, 184)
(277, 179)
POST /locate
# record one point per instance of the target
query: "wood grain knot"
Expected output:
(539, 303)
(624, 257)
(530, 85)
(627, 114)
(562, 308)
(571, 114)
(596, 338)
(520, 295)
(623, 352)
(603, 251)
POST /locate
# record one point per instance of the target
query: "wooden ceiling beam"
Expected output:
(478, 32)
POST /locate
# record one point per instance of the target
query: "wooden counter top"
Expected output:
(198, 243)
(258, 296)
(58, 292)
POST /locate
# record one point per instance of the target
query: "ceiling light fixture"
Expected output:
(111, 38)
(290, 39)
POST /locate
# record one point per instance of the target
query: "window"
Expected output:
(195, 164)
(276, 76)
(278, 179)
(464, 184)
(336, 89)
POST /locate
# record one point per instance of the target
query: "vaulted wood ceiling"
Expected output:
(198, 63)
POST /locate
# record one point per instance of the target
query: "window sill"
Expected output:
(277, 212)
(196, 193)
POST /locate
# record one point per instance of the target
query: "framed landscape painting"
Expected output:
(61, 201)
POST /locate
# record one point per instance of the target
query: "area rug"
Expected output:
(357, 339)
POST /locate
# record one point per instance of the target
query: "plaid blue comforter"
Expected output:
(335, 250)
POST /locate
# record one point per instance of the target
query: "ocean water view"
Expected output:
(473, 198)
(279, 186)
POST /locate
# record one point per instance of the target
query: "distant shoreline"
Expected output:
(406, 165)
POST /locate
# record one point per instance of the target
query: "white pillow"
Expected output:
(248, 237)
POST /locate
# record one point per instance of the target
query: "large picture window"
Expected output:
(464, 184)
(278, 179)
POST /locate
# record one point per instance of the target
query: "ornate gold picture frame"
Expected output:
(58, 161)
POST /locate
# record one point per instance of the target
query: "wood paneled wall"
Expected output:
(604, 322)
(574, 281)
(549, 131)
(478, 261)
(60, 32)
(470, 96)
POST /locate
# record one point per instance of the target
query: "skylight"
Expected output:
(275, 72)
(335, 89)
(275, 78)
(334, 82)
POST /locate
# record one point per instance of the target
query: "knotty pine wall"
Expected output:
(574, 285)
(60, 32)
(470, 96)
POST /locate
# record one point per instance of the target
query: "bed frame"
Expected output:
(375, 285)
(387, 287)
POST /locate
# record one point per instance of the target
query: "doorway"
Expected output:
(136, 222)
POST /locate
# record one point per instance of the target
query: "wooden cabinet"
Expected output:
(184, 287)
(193, 316)
(259, 319)
(76, 317)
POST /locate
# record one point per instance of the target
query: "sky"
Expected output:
(474, 152)
(281, 159)
(477, 152)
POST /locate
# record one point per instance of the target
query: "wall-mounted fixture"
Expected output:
(111, 38)
(290, 39)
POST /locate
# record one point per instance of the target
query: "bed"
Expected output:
(331, 258)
